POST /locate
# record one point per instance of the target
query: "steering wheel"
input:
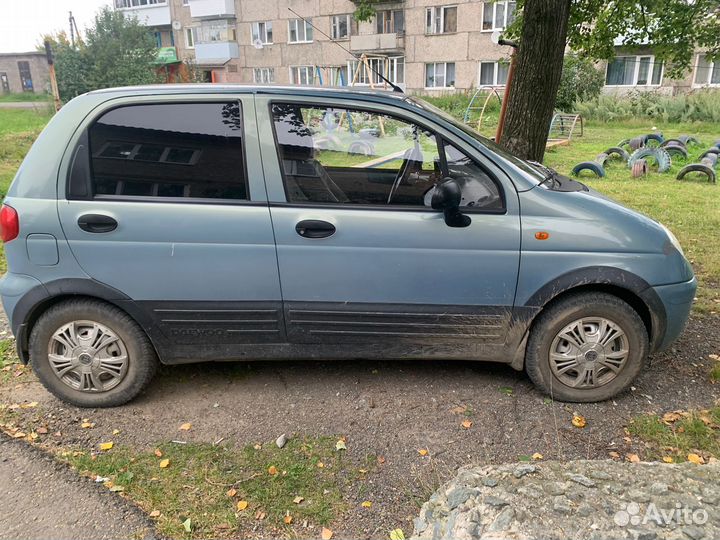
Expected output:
(405, 168)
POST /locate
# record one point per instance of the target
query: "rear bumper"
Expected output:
(677, 300)
(14, 289)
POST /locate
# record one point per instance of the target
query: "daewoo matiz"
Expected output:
(186, 223)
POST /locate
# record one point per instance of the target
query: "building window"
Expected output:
(340, 26)
(264, 75)
(441, 20)
(304, 75)
(497, 15)
(493, 73)
(634, 71)
(25, 76)
(392, 68)
(188, 150)
(707, 73)
(390, 21)
(158, 39)
(262, 33)
(300, 31)
(213, 32)
(124, 4)
(190, 38)
(440, 75)
(186, 2)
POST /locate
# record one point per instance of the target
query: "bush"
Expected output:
(580, 81)
(700, 106)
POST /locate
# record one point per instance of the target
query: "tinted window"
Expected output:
(356, 157)
(169, 150)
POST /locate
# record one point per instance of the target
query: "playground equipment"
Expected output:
(474, 104)
(562, 128)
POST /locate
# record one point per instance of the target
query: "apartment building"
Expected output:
(423, 46)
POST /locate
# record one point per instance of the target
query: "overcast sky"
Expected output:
(22, 22)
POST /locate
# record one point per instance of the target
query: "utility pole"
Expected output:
(71, 20)
(53, 79)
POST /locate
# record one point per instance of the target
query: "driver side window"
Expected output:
(348, 156)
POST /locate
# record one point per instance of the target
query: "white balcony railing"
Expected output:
(216, 53)
(212, 9)
(150, 15)
(377, 42)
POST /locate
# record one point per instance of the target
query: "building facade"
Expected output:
(423, 46)
(24, 72)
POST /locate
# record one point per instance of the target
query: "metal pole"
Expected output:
(72, 30)
(508, 86)
(53, 79)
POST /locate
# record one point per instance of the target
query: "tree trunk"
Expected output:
(538, 66)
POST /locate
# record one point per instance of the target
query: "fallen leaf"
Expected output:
(326, 534)
(670, 417)
(187, 525)
(117, 488)
(186, 426)
(165, 463)
(260, 515)
(714, 356)
(257, 446)
(366, 504)
(155, 513)
(340, 445)
(363, 471)
(242, 505)
(287, 519)
(231, 492)
(320, 464)
(537, 455)
(158, 452)
(397, 534)
(668, 459)
(694, 458)
(579, 421)
(381, 459)
(298, 499)
(423, 452)
(460, 409)
(33, 436)
(42, 430)
(29, 405)
(633, 458)
(272, 470)
(106, 446)
(467, 424)
(116, 432)
(18, 435)
(87, 425)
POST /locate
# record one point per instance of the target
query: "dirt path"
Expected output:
(389, 409)
(42, 499)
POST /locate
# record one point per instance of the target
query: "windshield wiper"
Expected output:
(551, 175)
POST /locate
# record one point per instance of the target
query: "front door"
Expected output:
(173, 214)
(364, 261)
(4, 82)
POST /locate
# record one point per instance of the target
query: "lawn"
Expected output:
(24, 97)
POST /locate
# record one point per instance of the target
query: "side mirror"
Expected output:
(447, 197)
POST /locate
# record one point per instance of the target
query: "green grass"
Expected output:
(25, 97)
(195, 485)
(695, 432)
(23, 120)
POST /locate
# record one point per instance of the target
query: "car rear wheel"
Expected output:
(586, 347)
(91, 354)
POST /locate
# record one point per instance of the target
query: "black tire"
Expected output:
(142, 361)
(656, 137)
(562, 313)
(592, 166)
(617, 151)
(687, 140)
(706, 153)
(668, 142)
(700, 168)
(676, 151)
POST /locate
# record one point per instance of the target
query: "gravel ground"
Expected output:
(43, 499)
(389, 409)
(579, 500)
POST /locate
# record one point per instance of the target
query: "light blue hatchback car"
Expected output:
(186, 223)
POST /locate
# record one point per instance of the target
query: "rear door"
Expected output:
(363, 258)
(165, 202)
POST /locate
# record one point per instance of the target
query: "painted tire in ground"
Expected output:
(601, 158)
(637, 142)
(660, 155)
(687, 140)
(669, 142)
(639, 168)
(617, 151)
(697, 167)
(657, 137)
(676, 151)
(592, 166)
(706, 153)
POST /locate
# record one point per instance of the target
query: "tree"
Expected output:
(581, 80)
(117, 51)
(673, 29)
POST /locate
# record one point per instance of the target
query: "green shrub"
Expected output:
(700, 106)
(580, 81)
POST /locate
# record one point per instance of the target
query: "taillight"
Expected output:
(9, 223)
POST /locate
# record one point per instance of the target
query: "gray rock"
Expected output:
(693, 532)
(522, 470)
(555, 488)
(533, 491)
(643, 534)
(503, 520)
(585, 510)
(562, 505)
(581, 479)
(490, 482)
(600, 475)
(458, 496)
(638, 496)
(492, 500)
(281, 440)
(659, 488)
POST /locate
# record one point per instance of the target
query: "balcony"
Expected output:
(152, 15)
(216, 53)
(212, 9)
(377, 42)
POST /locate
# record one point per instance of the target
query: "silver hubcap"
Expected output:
(589, 352)
(88, 356)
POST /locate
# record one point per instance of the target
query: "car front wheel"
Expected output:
(91, 354)
(586, 347)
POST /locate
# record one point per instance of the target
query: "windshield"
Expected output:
(534, 173)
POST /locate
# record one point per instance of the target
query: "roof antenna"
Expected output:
(392, 85)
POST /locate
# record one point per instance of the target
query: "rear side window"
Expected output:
(178, 150)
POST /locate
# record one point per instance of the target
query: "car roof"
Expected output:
(214, 88)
